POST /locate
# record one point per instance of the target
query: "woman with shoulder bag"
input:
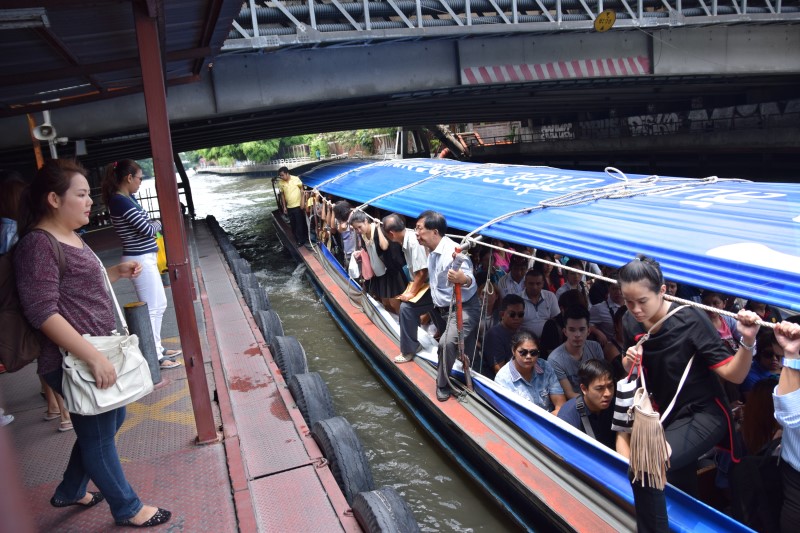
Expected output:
(700, 416)
(65, 307)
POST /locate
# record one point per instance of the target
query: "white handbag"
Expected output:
(81, 394)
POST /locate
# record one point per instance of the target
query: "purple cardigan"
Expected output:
(79, 296)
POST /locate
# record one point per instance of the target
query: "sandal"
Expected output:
(51, 415)
(404, 358)
(172, 353)
(166, 364)
(65, 426)
(96, 498)
(160, 516)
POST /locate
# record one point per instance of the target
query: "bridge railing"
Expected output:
(306, 22)
(643, 126)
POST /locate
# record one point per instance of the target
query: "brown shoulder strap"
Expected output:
(59, 251)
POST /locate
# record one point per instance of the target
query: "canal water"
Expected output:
(400, 453)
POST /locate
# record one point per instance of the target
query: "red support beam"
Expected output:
(179, 267)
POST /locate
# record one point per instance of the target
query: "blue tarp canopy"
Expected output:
(736, 237)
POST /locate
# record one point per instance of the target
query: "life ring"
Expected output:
(312, 397)
(256, 297)
(340, 445)
(290, 356)
(384, 511)
(270, 325)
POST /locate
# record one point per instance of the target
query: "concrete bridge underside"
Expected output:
(257, 94)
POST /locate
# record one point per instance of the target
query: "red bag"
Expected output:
(362, 258)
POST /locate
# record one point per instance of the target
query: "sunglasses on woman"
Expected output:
(515, 314)
(524, 353)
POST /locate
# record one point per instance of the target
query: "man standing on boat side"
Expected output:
(430, 229)
(292, 190)
(394, 228)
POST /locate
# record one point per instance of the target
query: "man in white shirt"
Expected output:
(573, 280)
(602, 314)
(417, 262)
(514, 281)
(540, 304)
(430, 229)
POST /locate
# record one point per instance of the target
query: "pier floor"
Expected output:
(266, 472)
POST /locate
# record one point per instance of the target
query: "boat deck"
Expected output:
(265, 475)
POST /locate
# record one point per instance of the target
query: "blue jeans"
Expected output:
(95, 457)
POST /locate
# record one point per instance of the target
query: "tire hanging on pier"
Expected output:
(384, 511)
(257, 299)
(270, 325)
(312, 397)
(340, 445)
(290, 356)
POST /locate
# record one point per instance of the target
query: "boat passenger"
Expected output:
(540, 304)
(787, 406)
(765, 312)
(514, 281)
(577, 348)
(766, 363)
(529, 376)
(553, 330)
(291, 189)
(553, 277)
(725, 325)
(593, 410)
(500, 258)
(672, 287)
(64, 307)
(389, 279)
(341, 226)
(431, 228)
(137, 232)
(413, 304)
(574, 280)
(601, 316)
(497, 342)
(701, 416)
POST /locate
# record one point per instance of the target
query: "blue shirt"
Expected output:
(543, 383)
(8, 234)
(439, 262)
(787, 413)
(756, 374)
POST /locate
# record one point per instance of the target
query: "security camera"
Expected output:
(45, 132)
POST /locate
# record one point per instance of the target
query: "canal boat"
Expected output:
(733, 236)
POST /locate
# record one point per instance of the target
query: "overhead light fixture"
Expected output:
(34, 17)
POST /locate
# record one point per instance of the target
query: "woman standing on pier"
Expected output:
(64, 306)
(137, 233)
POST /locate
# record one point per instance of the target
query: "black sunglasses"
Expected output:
(524, 353)
(515, 314)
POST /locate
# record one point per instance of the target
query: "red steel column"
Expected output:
(180, 270)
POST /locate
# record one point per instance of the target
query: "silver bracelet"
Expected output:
(749, 348)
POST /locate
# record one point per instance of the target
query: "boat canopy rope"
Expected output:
(478, 240)
(626, 188)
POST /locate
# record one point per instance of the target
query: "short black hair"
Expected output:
(576, 312)
(594, 369)
(509, 300)
(571, 298)
(283, 169)
(534, 272)
(342, 210)
(393, 222)
(434, 220)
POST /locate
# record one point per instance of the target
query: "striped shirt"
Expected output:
(787, 413)
(134, 228)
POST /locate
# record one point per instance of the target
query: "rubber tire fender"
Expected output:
(270, 325)
(384, 511)
(290, 356)
(312, 397)
(257, 299)
(340, 445)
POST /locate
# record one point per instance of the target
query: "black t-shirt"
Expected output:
(666, 354)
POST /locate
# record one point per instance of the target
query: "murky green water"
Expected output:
(400, 453)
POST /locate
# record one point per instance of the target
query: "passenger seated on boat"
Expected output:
(766, 362)
(529, 376)
(592, 411)
(389, 279)
(490, 311)
(700, 418)
(553, 329)
(574, 280)
(486, 264)
(497, 342)
(431, 228)
(291, 189)
(601, 316)
(553, 277)
(514, 281)
(567, 358)
(501, 258)
(765, 312)
(416, 259)
(672, 287)
(340, 225)
(540, 304)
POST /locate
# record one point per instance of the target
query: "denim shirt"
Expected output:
(543, 383)
(8, 234)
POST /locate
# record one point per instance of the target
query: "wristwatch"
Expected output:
(791, 362)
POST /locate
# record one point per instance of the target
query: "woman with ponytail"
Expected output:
(137, 233)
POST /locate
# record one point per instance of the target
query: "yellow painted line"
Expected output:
(140, 412)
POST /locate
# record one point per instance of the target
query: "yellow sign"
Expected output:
(605, 20)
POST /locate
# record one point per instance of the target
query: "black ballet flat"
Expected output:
(161, 516)
(96, 498)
